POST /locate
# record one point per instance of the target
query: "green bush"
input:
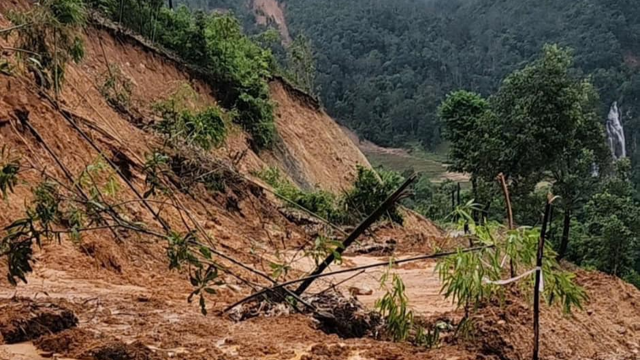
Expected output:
(319, 202)
(466, 276)
(52, 36)
(237, 68)
(206, 128)
(370, 190)
(9, 168)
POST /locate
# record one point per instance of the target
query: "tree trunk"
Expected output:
(564, 243)
(474, 189)
(171, 4)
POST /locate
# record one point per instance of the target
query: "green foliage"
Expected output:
(116, 88)
(462, 278)
(279, 269)
(6, 67)
(319, 202)
(9, 169)
(371, 76)
(607, 239)
(542, 124)
(179, 250)
(36, 226)
(323, 247)
(399, 320)
(154, 169)
(463, 116)
(51, 32)
(235, 66)
(370, 190)
(393, 307)
(301, 67)
(432, 200)
(203, 273)
(467, 276)
(205, 128)
(100, 180)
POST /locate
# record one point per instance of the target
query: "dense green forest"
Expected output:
(384, 66)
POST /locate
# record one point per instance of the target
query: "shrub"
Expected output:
(116, 88)
(319, 202)
(323, 247)
(52, 35)
(393, 307)
(369, 191)
(256, 117)
(236, 66)
(466, 276)
(206, 128)
(399, 319)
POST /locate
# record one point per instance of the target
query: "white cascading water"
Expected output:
(615, 133)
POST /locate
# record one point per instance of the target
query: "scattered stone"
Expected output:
(355, 291)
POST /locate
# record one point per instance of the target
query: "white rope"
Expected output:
(516, 278)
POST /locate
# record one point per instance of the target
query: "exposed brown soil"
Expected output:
(23, 319)
(129, 305)
(66, 342)
(272, 11)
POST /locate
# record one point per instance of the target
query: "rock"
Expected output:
(354, 290)
(621, 330)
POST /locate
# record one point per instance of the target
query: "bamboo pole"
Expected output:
(507, 200)
(364, 267)
(357, 232)
(538, 280)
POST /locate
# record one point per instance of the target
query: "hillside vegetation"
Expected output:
(383, 67)
(143, 218)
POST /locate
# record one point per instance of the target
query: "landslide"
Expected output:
(129, 305)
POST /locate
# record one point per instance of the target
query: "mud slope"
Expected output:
(116, 294)
(315, 152)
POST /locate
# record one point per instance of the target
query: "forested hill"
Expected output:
(383, 66)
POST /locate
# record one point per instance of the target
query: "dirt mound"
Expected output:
(22, 320)
(67, 342)
(607, 328)
(118, 350)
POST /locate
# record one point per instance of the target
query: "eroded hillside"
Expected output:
(112, 287)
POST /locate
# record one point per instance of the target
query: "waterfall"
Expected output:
(615, 133)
